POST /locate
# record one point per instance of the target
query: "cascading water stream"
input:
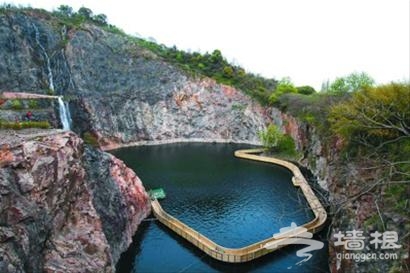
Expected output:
(64, 111)
(48, 64)
(64, 114)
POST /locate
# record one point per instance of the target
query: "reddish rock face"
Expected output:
(52, 212)
(6, 156)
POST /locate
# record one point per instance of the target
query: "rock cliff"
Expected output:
(119, 92)
(351, 200)
(64, 207)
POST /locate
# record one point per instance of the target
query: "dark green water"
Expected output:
(234, 202)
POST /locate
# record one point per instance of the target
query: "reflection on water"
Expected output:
(234, 202)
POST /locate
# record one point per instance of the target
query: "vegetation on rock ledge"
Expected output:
(276, 141)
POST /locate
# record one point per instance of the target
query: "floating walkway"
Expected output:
(248, 253)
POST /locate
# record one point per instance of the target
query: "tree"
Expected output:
(216, 56)
(284, 86)
(85, 12)
(228, 71)
(374, 116)
(100, 19)
(306, 90)
(65, 10)
(350, 83)
(375, 125)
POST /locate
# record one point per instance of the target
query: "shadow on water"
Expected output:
(126, 262)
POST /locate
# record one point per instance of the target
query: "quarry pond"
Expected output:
(234, 202)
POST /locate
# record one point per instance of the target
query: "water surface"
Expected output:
(234, 202)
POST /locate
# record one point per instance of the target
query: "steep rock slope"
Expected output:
(351, 201)
(120, 92)
(64, 207)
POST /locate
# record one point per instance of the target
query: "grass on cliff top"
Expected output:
(24, 125)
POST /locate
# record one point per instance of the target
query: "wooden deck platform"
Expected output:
(248, 253)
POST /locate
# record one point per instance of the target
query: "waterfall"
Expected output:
(64, 114)
(43, 50)
(70, 121)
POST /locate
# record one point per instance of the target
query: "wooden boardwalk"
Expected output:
(248, 253)
(25, 95)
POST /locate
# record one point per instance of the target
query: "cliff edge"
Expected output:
(64, 207)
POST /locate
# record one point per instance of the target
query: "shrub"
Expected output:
(374, 115)
(85, 12)
(90, 139)
(285, 86)
(16, 104)
(238, 107)
(64, 10)
(100, 19)
(270, 137)
(50, 92)
(33, 104)
(313, 109)
(286, 145)
(274, 140)
(24, 125)
(306, 90)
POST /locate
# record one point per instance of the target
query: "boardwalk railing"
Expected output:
(244, 254)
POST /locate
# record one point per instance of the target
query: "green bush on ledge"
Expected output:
(90, 139)
(24, 124)
(275, 141)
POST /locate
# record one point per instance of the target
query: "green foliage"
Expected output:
(274, 140)
(65, 11)
(350, 83)
(238, 107)
(16, 104)
(284, 86)
(50, 92)
(375, 124)
(215, 66)
(90, 139)
(24, 125)
(374, 115)
(286, 145)
(33, 104)
(76, 19)
(100, 19)
(270, 137)
(374, 222)
(228, 72)
(85, 12)
(306, 90)
(313, 109)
